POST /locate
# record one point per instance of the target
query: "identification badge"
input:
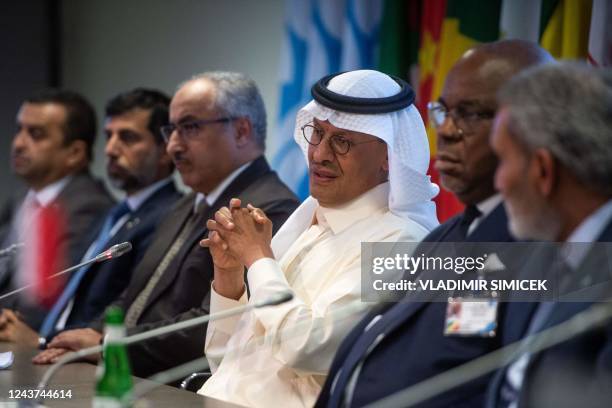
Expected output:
(473, 317)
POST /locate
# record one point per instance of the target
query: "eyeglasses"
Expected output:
(338, 143)
(188, 130)
(465, 119)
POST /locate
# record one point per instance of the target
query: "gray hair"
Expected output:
(567, 108)
(237, 95)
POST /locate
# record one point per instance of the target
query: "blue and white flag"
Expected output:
(321, 37)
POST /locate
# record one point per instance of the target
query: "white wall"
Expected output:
(110, 46)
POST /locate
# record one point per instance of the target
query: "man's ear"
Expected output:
(244, 131)
(77, 154)
(545, 170)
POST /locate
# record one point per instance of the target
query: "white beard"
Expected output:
(541, 223)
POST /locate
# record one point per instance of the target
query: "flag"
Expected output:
(448, 29)
(320, 37)
(600, 35)
(520, 19)
(564, 26)
(399, 39)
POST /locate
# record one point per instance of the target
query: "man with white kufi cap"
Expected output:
(367, 153)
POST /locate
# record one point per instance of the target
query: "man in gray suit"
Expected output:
(137, 164)
(216, 138)
(51, 152)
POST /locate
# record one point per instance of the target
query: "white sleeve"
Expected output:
(219, 331)
(307, 337)
(307, 334)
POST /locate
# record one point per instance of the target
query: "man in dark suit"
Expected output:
(553, 137)
(400, 345)
(137, 164)
(51, 152)
(216, 138)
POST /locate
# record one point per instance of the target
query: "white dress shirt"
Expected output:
(26, 227)
(42, 198)
(280, 355)
(217, 191)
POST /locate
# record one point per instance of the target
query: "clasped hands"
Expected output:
(238, 236)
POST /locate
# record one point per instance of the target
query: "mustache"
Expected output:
(325, 168)
(113, 162)
(18, 155)
(446, 156)
(326, 165)
(179, 157)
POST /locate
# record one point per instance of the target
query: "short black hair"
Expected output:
(80, 121)
(141, 98)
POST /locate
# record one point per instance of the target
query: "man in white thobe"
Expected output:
(367, 152)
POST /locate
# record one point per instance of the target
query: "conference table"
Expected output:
(79, 379)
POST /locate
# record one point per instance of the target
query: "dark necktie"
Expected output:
(469, 215)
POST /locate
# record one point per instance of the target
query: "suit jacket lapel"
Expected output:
(165, 236)
(258, 168)
(594, 258)
(562, 311)
(493, 228)
(397, 315)
(132, 225)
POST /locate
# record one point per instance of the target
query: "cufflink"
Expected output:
(42, 343)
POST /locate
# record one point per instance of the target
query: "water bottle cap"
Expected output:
(114, 315)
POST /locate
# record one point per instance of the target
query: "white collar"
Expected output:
(50, 192)
(592, 226)
(487, 206)
(135, 200)
(588, 231)
(217, 191)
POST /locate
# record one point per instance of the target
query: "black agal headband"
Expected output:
(350, 104)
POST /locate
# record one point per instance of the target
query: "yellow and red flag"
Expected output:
(448, 29)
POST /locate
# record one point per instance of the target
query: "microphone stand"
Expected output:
(181, 371)
(10, 250)
(597, 315)
(112, 252)
(165, 377)
(73, 356)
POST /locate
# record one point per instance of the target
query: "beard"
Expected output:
(135, 179)
(125, 180)
(540, 222)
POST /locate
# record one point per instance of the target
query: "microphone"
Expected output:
(160, 331)
(114, 252)
(596, 315)
(10, 250)
(111, 253)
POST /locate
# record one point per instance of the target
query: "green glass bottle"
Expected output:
(114, 376)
